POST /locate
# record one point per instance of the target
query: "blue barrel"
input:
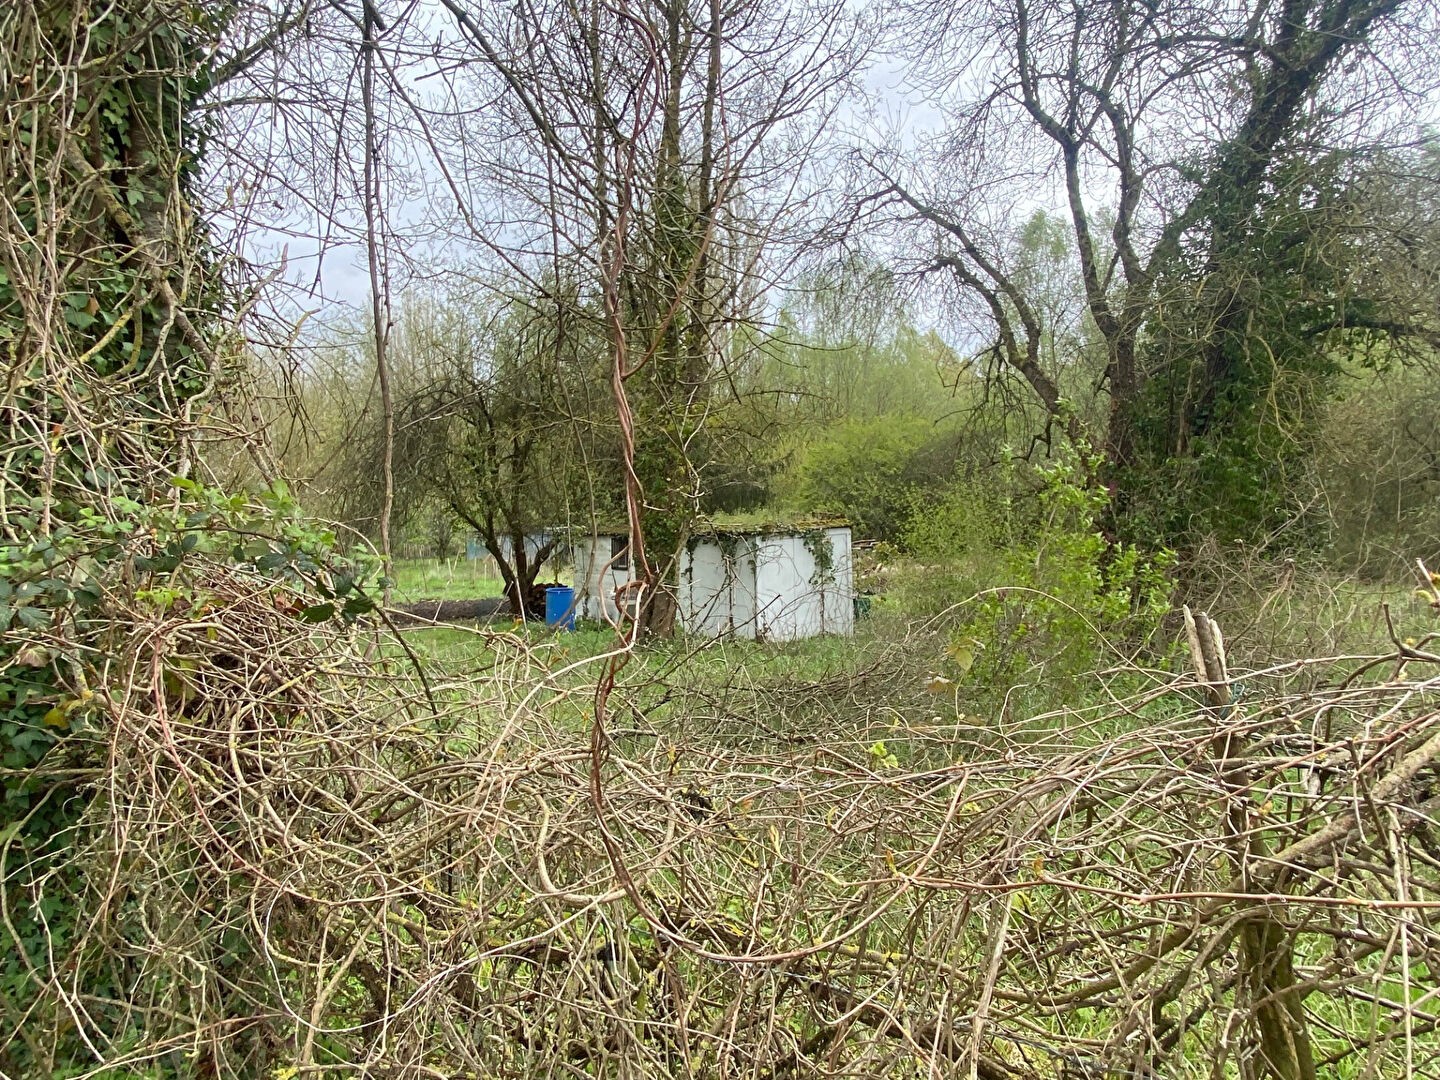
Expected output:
(560, 607)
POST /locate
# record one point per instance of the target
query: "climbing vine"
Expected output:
(111, 329)
(822, 550)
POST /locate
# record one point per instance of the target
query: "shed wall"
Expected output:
(838, 591)
(596, 579)
(717, 588)
(750, 586)
(767, 586)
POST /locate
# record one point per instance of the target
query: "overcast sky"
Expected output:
(324, 261)
(323, 253)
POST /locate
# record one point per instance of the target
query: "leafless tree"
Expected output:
(1159, 128)
(654, 153)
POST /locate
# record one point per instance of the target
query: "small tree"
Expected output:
(487, 434)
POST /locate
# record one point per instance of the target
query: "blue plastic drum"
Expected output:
(560, 607)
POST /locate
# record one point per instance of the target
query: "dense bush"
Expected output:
(1031, 589)
(871, 471)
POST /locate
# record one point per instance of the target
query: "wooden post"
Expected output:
(1267, 955)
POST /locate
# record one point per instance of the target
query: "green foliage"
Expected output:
(1378, 463)
(1043, 594)
(882, 757)
(108, 305)
(1278, 301)
(822, 552)
(867, 471)
(486, 436)
(132, 98)
(56, 620)
(845, 356)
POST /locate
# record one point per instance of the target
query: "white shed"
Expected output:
(602, 568)
(772, 582)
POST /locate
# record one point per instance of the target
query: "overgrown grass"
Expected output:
(807, 827)
(444, 579)
(871, 707)
(1277, 609)
(464, 650)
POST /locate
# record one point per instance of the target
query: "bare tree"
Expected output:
(373, 201)
(1161, 129)
(655, 152)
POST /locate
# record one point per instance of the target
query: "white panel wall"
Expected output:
(596, 580)
(749, 586)
(837, 614)
(788, 608)
(717, 588)
(795, 599)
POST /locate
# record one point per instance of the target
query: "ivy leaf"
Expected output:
(32, 656)
(359, 604)
(963, 653)
(318, 613)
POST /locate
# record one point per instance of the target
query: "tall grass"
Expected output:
(446, 579)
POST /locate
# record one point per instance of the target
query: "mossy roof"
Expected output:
(743, 525)
(767, 526)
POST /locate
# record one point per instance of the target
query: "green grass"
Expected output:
(661, 683)
(1038, 709)
(696, 661)
(444, 579)
(456, 579)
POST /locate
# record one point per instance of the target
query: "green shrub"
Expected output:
(1030, 589)
(869, 471)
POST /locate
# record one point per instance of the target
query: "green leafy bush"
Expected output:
(1030, 588)
(869, 472)
(59, 596)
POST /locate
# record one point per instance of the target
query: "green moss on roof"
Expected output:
(767, 524)
(759, 523)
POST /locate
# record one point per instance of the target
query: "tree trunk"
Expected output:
(379, 289)
(658, 614)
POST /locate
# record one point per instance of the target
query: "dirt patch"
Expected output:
(450, 610)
